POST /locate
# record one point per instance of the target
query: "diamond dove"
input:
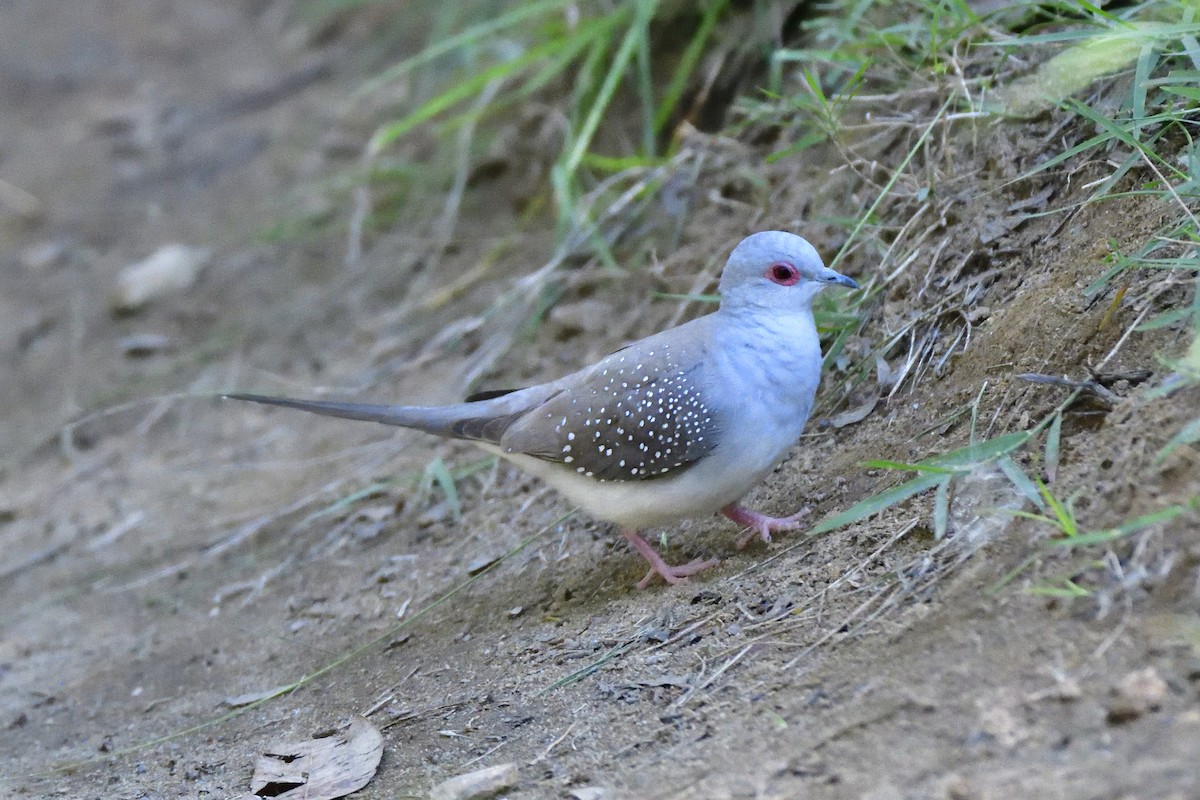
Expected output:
(679, 424)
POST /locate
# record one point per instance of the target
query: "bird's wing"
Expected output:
(638, 414)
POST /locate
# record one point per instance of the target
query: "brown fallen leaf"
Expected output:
(319, 769)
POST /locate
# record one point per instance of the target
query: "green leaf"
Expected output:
(1130, 527)
(1165, 319)
(973, 455)
(899, 465)
(1063, 515)
(1190, 92)
(1021, 481)
(638, 30)
(1068, 589)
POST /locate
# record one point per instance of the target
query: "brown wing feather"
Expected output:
(628, 420)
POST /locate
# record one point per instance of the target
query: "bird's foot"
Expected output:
(670, 574)
(762, 526)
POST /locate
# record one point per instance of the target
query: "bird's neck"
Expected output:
(791, 329)
(770, 346)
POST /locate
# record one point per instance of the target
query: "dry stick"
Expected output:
(482, 756)
(545, 753)
(1170, 188)
(862, 220)
(916, 215)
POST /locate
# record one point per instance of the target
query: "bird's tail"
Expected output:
(438, 420)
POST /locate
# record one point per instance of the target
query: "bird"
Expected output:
(680, 424)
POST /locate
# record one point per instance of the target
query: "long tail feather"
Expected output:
(404, 416)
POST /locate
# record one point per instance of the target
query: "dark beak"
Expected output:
(840, 279)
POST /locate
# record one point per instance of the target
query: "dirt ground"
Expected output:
(165, 553)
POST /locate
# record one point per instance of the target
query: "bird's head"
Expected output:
(775, 270)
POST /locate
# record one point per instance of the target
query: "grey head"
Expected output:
(775, 271)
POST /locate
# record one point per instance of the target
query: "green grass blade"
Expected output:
(637, 31)
(1053, 443)
(1068, 589)
(441, 475)
(876, 503)
(882, 463)
(1189, 434)
(1063, 518)
(973, 455)
(687, 64)
(452, 97)
(1125, 136)
(475, 33)
(1021, 481)
(1132, 526)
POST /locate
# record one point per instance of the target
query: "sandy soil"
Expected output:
(165, 553)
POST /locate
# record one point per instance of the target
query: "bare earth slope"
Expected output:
(166, 554)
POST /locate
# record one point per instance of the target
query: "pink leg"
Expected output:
(661, 568)
(761, 525)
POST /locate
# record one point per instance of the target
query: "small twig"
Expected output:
(1087, 387)
(545, 754)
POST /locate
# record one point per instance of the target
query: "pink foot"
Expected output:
(661, 568)
(760, 525)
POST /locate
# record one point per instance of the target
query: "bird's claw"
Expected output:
(761, 526)
(676, 574)
(670, 574)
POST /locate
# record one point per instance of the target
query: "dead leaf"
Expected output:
(320, 769)
(885, 374)
(853, 416)
(477, 784)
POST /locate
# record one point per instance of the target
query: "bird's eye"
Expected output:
(783, 273)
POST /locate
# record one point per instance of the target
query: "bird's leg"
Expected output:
(659, 567)
(761, 525)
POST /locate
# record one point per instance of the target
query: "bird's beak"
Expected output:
(841, 280)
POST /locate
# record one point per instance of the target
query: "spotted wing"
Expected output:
(628, 419)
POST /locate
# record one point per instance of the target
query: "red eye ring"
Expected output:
(783, 273)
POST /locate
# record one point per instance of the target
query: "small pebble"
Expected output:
(1139, 692)
(171, 269)
(591, 793)
(143, 345)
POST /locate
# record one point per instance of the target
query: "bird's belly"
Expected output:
(721, 478)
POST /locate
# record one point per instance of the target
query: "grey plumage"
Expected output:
(681, 423)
